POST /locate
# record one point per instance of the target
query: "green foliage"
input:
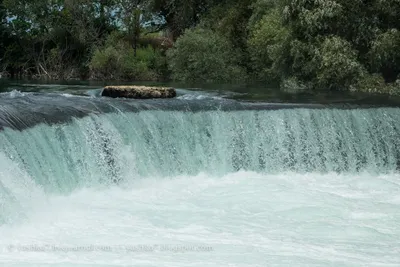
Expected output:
(153, 58)
(230, 19)
(375, 83)
(309, 18)
(268, 43)
(180, 14)
(293, 85)
(203, 55)
(39, 28)
(304, 59)
(104, 62)
(117, 60)
(324, 44)
(115, 38)
(260, 8)
(385, 54)
(4, 33)
(369, 83)
(333, 44)
(111, 63)
(338, 68)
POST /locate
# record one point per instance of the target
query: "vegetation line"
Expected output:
(300, 44)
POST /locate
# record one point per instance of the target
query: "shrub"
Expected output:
(105, 63)
(117, 61)
(384, 54)
(369, 83)
(339, 67)
(375, 83)
(267, 45)
(293, 85)
(203, 55)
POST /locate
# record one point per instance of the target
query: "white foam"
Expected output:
(16, 93)
(240, 219)
(197, 97)
(68, 95)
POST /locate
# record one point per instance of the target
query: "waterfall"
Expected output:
(89, 181)
(118, 147)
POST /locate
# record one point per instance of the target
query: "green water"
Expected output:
(245, 92)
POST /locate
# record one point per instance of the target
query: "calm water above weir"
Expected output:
(243, 92)
(219, 176)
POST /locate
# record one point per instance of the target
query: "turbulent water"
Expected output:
(204, 187)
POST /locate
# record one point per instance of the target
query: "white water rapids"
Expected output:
(249, 188)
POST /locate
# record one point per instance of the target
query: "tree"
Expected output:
(384, 54)
(4, 34)
(131, 14)
(57, 37)
(179, 15)
(268, 44)
(339, 67)
(335, 42)
(203, 55)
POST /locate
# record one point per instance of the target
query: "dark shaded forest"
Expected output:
(312, 44)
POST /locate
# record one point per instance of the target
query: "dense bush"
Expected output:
(117, 61)
(342, 44)
(304, 59)
(375, 83)
(385, 54)
(268, 43)
(203, 55)
(339, 67)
